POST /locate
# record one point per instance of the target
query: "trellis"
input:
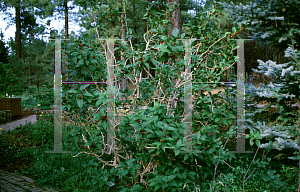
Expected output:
(187, 102)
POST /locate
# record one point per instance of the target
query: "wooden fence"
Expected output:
(12, 104)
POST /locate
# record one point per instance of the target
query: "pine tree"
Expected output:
(268, 20)
(3, 50)
(282, 92)
(6, 74)
(273, 23)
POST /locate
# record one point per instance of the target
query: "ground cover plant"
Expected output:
(149, 137)
(23, 151)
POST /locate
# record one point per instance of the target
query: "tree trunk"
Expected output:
(124, 80)
(250, 78)
(175, 20)
(18, 32)
(227, 75)
(66, 32)
(66, 19)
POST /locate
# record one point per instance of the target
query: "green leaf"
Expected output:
(149, 130)
(175, 32)
(129, 76)
(211, 150)
(164, 179)
(129, 92)
(184, 174)
(84, 86)
(157, 186)
(147, 65)
(138, 71)
(159, 133)
(165, 38)
(176, 170)
(225, 122)
(257, 142)
(80, 62)
(154, 30)
(161, 28)
(182, 35)
(205, 112)
(156, 144)
(164, 48)
(233, 29)
(164, 185)
(169, 128)
(186, 156)
(192, 175)
(152, 183)
(198, 135)
(80, 103)
(88, 94)
(217, 119)
(153, 61)
(178, 144)
(170, 177)
(251, 142)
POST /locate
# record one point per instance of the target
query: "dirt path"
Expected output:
(24, 115)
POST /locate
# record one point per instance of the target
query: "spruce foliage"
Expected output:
(278, 126)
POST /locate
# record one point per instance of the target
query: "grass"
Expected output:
(22, 151)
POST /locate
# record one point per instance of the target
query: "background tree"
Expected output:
(279, 127)
(3, 50)
(268, 20)
(58, 6)
(17, 5)
(255, 49)
(31, 49)
(135, 10)
(6, 78)
(6, 75)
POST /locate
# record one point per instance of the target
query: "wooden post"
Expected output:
(240, 147)
(124, 80)
(110, 96)
(57, 101)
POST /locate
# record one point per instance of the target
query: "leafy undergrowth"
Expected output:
(23, 151)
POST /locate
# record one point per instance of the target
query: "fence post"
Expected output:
(57, 100)
(188, 97)
(240, 147)
(110, 98)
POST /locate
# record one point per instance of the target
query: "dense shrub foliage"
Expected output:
(150, 142)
